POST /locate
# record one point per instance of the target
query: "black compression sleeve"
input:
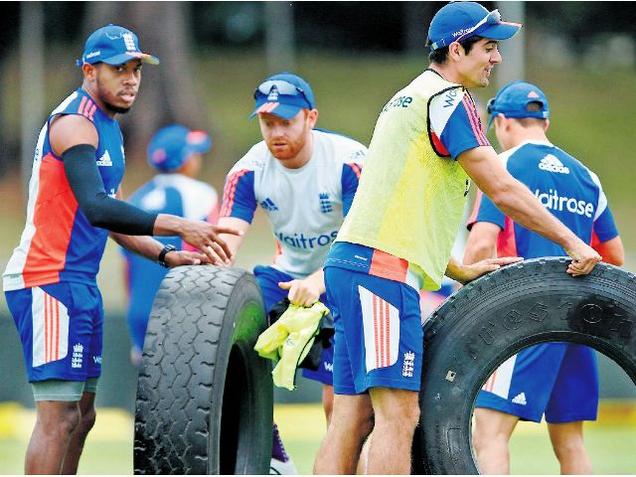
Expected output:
(100, 209)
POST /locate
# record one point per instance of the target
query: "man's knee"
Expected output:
(88, 420)
(568, 449)
(396, 407)
(59, 419)
(353, 414)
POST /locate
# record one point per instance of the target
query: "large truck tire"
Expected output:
(498, 315)
(204, 397)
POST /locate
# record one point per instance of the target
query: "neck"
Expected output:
(446, 71)
(528, 134)
(86, 86)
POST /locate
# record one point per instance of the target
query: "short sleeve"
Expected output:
(239, 200)
(605, 227)
(485, 211)
(455, 125)
(350, 178)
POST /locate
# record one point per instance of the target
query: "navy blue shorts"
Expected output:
(268, 278)
(379, 339)
(559, 380)
(61, 329)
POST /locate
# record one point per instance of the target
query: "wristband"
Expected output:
(162, 255)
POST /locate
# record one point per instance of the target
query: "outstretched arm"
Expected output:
(516, 201)
(74, 139)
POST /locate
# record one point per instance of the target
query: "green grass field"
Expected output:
(109, 448)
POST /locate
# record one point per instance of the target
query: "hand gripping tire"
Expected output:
(495, 317)
(204, 398)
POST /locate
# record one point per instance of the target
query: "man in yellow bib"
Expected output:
(398, 235)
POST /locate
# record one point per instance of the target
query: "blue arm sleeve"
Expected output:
(350, 179)
(239, 199)
(605, 227)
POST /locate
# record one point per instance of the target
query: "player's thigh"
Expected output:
(523, 384)
(575, 393)
(378, 322)
(268, 279)
(491, 424)
(56, 326)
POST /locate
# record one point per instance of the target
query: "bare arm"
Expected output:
(78, 133)
(234, 242)
(612, 251)
(482, 242)
(517, 202)
(150, 248)
(464, 273)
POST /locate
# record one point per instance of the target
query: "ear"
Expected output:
(502, 122)
(90, 71)
(546, 125)
(312, 117)
(455, 51)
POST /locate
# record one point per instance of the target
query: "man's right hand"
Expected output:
(584, 259)
(205, 237)
(202, 235)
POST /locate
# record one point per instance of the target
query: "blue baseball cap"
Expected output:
(513, 99)
(459, 21)
(114, 45)
(171, 146)
(283, 94)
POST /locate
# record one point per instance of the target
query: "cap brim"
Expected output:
(126, 57)
(201, 148)
(500, 31)
(285, 111)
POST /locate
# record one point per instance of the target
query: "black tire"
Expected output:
(495, 317)
(205, 397)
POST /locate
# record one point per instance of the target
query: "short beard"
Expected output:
(115, 109)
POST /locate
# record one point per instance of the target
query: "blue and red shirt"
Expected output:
(58, 243)
(564, 186)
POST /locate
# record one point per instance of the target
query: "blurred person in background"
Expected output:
(74, 202)
(304, 179)
(558, 380)
(175, 152)
(398, 235)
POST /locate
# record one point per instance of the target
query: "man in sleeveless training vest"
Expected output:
(398, 235)
(73, 203)
(304, 179)
(176, 153)
(559, 380)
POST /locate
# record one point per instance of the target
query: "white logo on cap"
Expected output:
(93, 54)
(273, 94)
(533, 94)
(129, 41)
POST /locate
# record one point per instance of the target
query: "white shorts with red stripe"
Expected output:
(60, 326)
(378, 341)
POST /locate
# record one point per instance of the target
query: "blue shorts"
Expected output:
(559, 380)
(61, 329)
(268, 278)
(379, 338)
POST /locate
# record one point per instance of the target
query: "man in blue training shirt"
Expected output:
(176, 153)
(74, 203)
(559, 380)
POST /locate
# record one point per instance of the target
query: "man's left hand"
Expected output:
(183, 257)
(468, 273)
(301, 292)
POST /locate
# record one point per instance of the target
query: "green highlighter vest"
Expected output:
(410, 201)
